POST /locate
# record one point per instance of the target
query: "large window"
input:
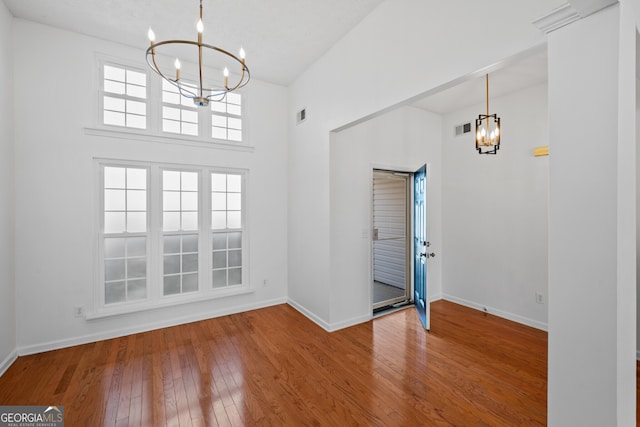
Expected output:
(142, 103)
(168, 234)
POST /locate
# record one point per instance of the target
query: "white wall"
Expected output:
(592, 221)
(7, 201)
(402, 49)
(56, 200)
(404, 140)
(495, 210)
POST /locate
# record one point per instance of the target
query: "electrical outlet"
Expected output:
(78, 310)
(539, 298)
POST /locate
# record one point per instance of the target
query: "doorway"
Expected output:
(391, 243)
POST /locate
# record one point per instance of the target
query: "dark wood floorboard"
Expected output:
(275, 367)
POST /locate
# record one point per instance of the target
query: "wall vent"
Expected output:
(301, 115)
(462, 129)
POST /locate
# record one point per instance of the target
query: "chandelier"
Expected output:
(487, 129)
(204, 90)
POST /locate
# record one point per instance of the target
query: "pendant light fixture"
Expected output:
(204, 90)
(487, 129)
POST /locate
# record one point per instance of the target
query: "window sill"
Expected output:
(170, 301)
(166, 139)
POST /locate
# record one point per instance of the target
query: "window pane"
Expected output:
(170, 126)
(171, 244)
(136, 78)
(171, 285)
(235, 258)
(170, 98)
(218, 220)
(114, 87)
(218, 182)
(136, 222)
(189, 201)
(219, 201)
(171, 113)
(234, 220)
(190, 282)
(136, 289)
(114, 177)
(114, 292)
(235, 276)
(235, 201)
(136, 246)
(114, 104)
(136, 268)
(234, 98)
(114, 73)
(220, 259)
(219, 241)
(233, 123)
(114, 269)
(114, 222)
(235, 240)
(189, 181)
(234, 135)
(113, 118)
(189, 116)
(135, 107)
(219, 107)
(137, 178)
(219, 279)
(190, 263)
(171, 200)
(136, 200)
(114, 247)
(138, 122)
(114, 200)
(171, 264)
(190, 129)
(171, 221)
(234, 183)
(220, 121)
(219, 133)
(137, 91)
(190, 220)
(190, 243)
(236, 110)
(171, 180)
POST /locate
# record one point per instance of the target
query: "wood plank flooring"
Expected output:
(275, 367)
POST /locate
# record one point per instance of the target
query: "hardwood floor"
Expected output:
(275, 367)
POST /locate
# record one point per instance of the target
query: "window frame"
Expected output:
(154, 104)
(101, 94)
(155, 297)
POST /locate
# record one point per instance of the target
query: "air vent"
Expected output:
(301, 115)
(462, 129)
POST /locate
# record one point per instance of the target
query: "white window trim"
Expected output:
(155, 298)
(154, 132)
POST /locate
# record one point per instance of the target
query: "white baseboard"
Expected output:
(309, 315)
(54, 345)
(8, 361)
(638, 355)
(504, 314)
(350, 322)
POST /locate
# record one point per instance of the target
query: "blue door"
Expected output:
(420, 245)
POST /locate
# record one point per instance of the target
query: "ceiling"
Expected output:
(282, 38)
(523, 73)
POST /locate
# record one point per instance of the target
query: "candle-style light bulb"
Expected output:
(497, 130)
(177, 65)
(242, 54)
(225, 73)
(200, 26)
(151, 35)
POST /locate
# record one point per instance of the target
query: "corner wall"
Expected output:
(7, 195)
(495, 210)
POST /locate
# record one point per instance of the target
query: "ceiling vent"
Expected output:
(462, 129)
(301, 115)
